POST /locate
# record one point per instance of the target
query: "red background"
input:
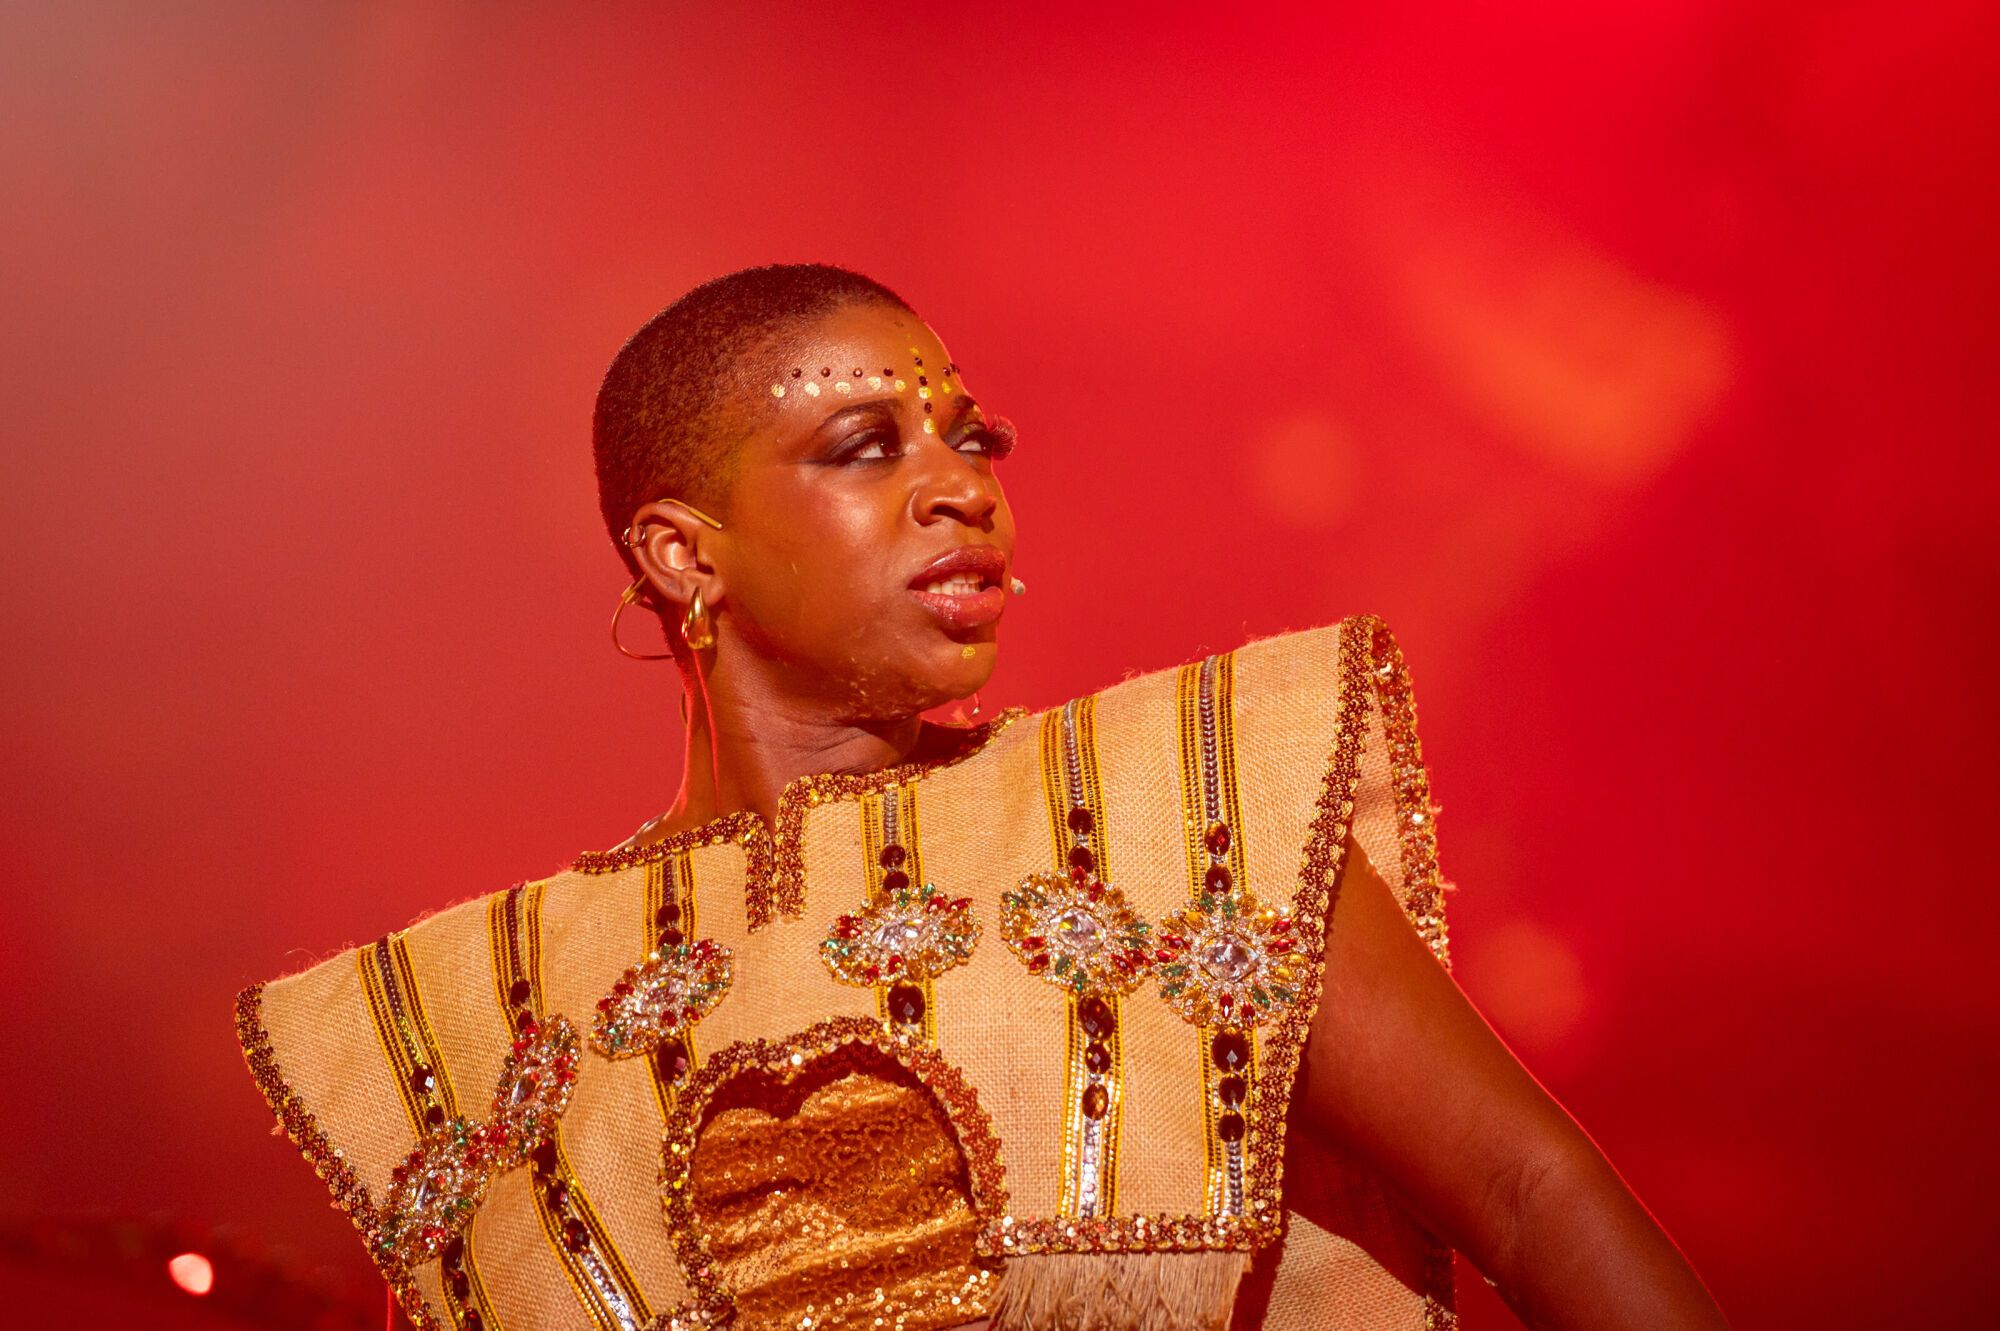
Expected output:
(1634, 361)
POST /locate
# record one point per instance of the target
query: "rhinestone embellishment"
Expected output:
(435, 1191)
(912, 934)
(1227, 961)
(676, 986)
(1076, 932)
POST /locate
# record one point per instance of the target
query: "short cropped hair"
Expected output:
(666, 423)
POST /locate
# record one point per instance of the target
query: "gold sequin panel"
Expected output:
(839, 1196)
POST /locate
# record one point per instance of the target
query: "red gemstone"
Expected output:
(1216, 838)
(1081, 858)
(1231, 1091)
(1094, 1014)
(670, 938)
(1230, 1127)
(906, 1004)
(1096, 1101)
(895, 880)
(892, 856)
(1097, 1057)
(434, 1116)
(1035, 942)
(622, 988)
(1230, 1051)
(576, 1235)
(963, 903)
(667, 914)
(1036, 965)
(520, 992)
(1217, 878)
(421, 1080)
(558, 1194)
(526, 1024)
(1080, 821)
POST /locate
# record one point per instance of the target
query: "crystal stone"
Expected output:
(1228, 958)
(1078, 930)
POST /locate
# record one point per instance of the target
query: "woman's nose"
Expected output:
(953, 488)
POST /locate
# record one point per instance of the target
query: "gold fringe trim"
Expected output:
(1153, 1291)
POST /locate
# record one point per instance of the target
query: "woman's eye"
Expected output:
(995, 441)
(875, 447)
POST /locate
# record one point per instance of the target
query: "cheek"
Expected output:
(822, 575)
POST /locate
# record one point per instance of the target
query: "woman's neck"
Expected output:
(745, 746)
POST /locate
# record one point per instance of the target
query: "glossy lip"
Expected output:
(964, 612)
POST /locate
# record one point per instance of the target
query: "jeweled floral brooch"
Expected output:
(676, 986)
(912, 934)
(1227, 961)
(1076, 932)
(435, 1191)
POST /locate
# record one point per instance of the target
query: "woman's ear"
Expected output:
(676, 550)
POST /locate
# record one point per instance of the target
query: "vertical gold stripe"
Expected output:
(399, 955)
(1194, 822)
(913, 842)
(873, 838)
(690, 926)
(515, 929)
(394, 1051)
(1054, 786)
(668, 879)
(1076, 1077)
(405, 1043)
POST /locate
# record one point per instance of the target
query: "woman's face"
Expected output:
(868, 462)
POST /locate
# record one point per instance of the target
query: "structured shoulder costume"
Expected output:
(1009, 1035)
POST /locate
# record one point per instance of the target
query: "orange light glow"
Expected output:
(192, 1272)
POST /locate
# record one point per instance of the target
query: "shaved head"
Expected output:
(671, 411)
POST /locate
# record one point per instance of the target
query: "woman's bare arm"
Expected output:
(1403, 1072)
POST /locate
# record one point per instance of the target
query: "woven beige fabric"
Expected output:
(1346, 1257)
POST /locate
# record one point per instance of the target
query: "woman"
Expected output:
(1127, 1015)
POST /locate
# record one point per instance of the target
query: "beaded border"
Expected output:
(1417, 837)
(774, 877)
(329, 1162)
(713, 1304)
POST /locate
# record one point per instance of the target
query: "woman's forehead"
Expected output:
(861, 353)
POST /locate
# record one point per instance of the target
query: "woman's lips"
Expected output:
(966, 610)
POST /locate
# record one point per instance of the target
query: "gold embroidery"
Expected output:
(670, 905)
(597, 1272)
(438, 1188)
(302, 1128)
(839, 1175)
(1076, 931)
(910, 932)
(453, 1170)
(774, 877)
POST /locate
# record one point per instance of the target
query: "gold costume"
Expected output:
(1011, 1035)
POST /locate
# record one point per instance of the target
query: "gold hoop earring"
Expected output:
(631, 597)
(695, 624)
